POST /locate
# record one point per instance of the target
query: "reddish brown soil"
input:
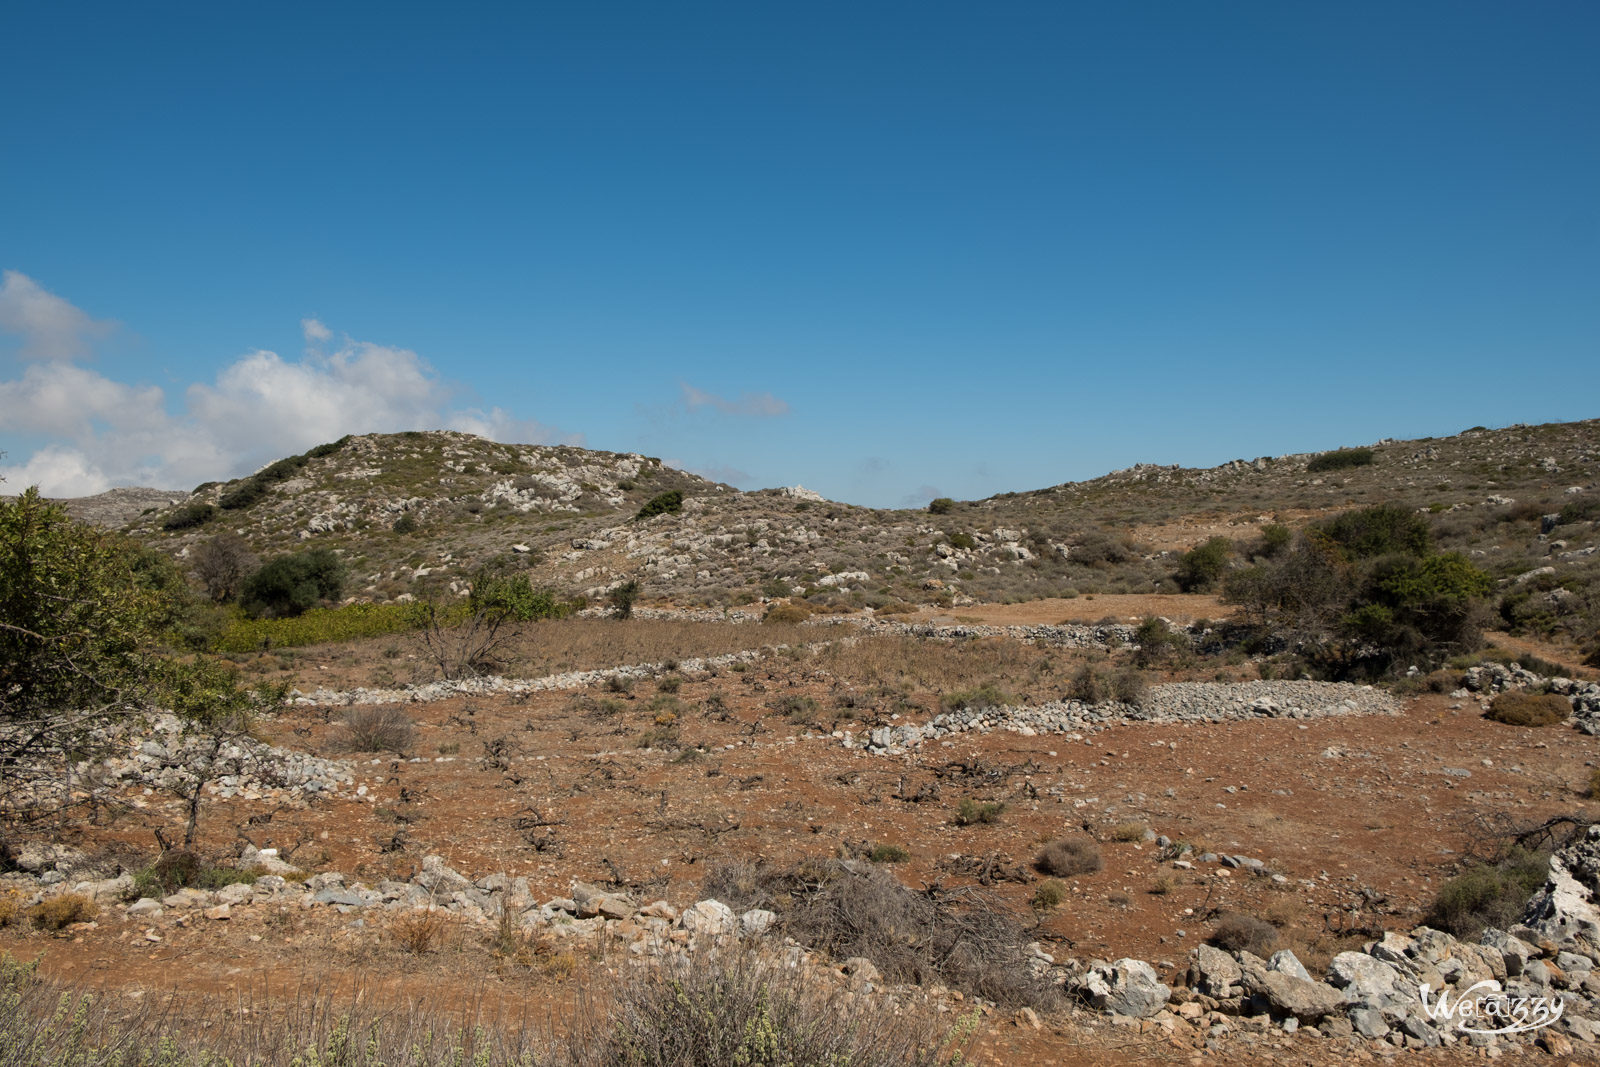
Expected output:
(1358, 814)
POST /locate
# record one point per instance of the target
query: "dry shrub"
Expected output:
(1592, 790)
(377, 729)
(740, 1007)
(1518, 707)
(63, 911)
(844, 908)
(1068, 857)
(787, 613)
(1129, 831)
(418, 931)
(1241, 933)
(10, 907)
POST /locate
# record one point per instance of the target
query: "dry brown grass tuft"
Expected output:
(1063, 859)
(419, 931)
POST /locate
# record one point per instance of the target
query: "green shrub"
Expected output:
(1518, 707)
(940, 505)
(1200, 567)
(1068, 857)
(1341, 459)
(242, 495)
(327, 449)
(1382, 530)
(290, 585)
(512, 596)
(888, 854)
(1275, 540)
(661, 504)
(961, 540)
(621, 598)
(972, 812)
(405, 524)
(1583, 509)
(1049, 895)
(1487, 894)
(189, 515)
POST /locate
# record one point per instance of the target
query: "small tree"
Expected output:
(222, 563)
(941, 505)
(622, 597)
(290, 585)
(1200, 567)
(669, 502)
(81, 615)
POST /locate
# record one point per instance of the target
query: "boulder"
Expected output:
(756, 922)
(1127, 987)
(145, 908)
(1286, 962)
(709, 918)
(1561, 910)
(1305, 1000)
(1215, 973)
(1367, 981)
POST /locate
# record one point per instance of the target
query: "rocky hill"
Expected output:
(418, 512)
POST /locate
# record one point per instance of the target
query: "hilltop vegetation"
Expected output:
(417, 514)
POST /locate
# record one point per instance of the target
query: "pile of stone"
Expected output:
(1376, 994)
(494, 684)
(1174, 703)
(171, 758)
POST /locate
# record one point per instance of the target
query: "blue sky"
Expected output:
(887, 250)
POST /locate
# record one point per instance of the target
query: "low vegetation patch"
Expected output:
(1342, 459)
(377, 728)
(972, 812)
(55, 913)
(1069, 857)
(1518, 707)
(956, 937)
(1488, 894)
(1236, 932)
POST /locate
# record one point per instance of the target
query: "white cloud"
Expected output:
(50, 327)
(260, 407)
(755, 405)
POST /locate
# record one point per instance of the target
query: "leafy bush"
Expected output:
(290, 585)
(243, 495)
(512, 596)
(1068, 857)
(1340, 460)
(1518, 707)
(621, 598)
(377, 728)
(405, 524)
(661, 504)
(1488, 894)
(1244, 933)
(1158, 643)
(961, 540)
(1381, 530)
(1048, 895)
(1583, 509)
(888, 854)
(189, 515)
(55, 913)
(941, 505)
(1200, 567)
(972, 812)
(1275, 539)
(183, 868)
